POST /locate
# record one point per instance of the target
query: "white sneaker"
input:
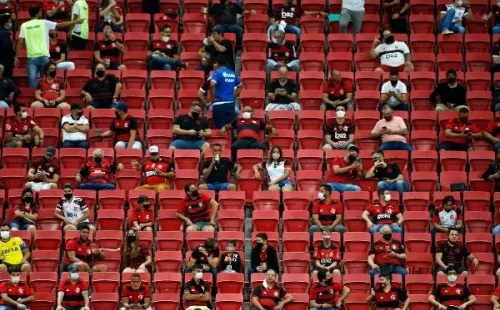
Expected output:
(446, 31)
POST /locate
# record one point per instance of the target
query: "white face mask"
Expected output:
(452, 278)
(5, 235)
(387, 197)
(340, 114)
(321, 196)
(74, 276)
(198, 275)
(276, 156)
(274, 40)
(165, 38)
(246, 115)
(24, 115)
(15, 279)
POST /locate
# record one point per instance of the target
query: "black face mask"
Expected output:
(28, 199)
(98, 159)
(68, 196)
(79, 114)
(451, 80)
(329, 281)
(394, 83)
(53, 35)
(100, 73)
(352, 158)
(195, 115)
(52, 73)
(387, 236)
(194, 193)
(389, 40)
(145, 206)
(131, 239)
(259, 245)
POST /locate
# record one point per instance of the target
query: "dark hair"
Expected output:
(448, 199)
(378, 152)
(218, 30)
(233, 242)
(83, 226)
(165, 27)
(217, 144)
(452, 229)
(394, 72)
(135, 275)
(4, 225)
(272, 151)
(195, 267)
(75, 106)
(196, 104)
(4, 19)
(327, 187)
(386, 275)
(68, 185)
(262, 236)
(106, 24)
(210, 243)
(380, 191)
(17, 108)
(14, 268)
(186, 187)
(47, 66)
(27, 190)
(34, 10)
(321, 275)
(451, 71)
(221, 60)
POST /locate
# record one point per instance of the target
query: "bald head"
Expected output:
(283, 73)
(386, 229)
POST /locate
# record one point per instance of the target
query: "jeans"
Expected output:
(340, 187)
(271, 64)
(35, 67)
(338, 228)
(496, 29)
(223, 113)
(395, 146)
(162, 63)
(182, 144)
(10, 307)
(293, 29)
(496, 230)
(72, 308)
(397, 270)
(447, 23)
(101, 104)
(452, 146)
(394, 227)
(347, 16)
(81, 144)
(400, 186)
(20, 224)
(245, 144)
(496, 147)
(3, 105)
(96, 186)
(232, 28)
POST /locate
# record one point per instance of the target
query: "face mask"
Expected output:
(131, 239)
(340, 114)
(15, 279)
(460, 3)
(165, 38)
(451, 80)
(276, 156)
(5, 235)
(389, 40)
(9, 25)
(387, 197)
(329, 281)
(274, 40)
(98, 159)
(79, 114)
(146, 206)
(352, 158)
(394, 83)
(246, 115)
(194, 193)
(387, 236)
(195, 115)
(452, 278)
(198, 275)
(74, 276)
(68, 196)
(100, 73)
(53, 35)
(321, 196)
(52, 73)
(28, 199)
(24, 115)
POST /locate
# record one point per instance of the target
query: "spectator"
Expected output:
(82, 252)
(282, 93)
(7, 58)
(495, 298)
(15, 253)
(447, 216)
(35, 34)
(454, 17)
(197, 292)
(397, 12)
(158, 174)
(388, 295)
(74, 128)
(73, 293)
(195, 211)
(103, 91)
(136, 295)
(394, 93)
(21, 130)
(492, 133)
(449, 95)
(281, 53)
(213, 46)
(493, 12)
(389, 175)
(143, 217)
(26, 213)
(327, 256)
(493, 174)
(80, 32)
(72, 211)
(394, 55)
(99, 172)
(205, 255)
(164, 53)
(264, 256)
(352, 11)
(9, 10)
(50, 91)
(16, 294)
(452, 254)
(124, 127)
(495, 53)
(337, 91)
(8, 89)
(326, 212)
(110, 12)
(392, 131)
(345, 170)
(452, 295)
(378, 215)
(322, 294)
(190, 130)
(44, 174)
(136, 258)
(270, 295)
(215, 172)
(57, 11)
(459, 133)
(382, 261)
(230, 261)
(58, 52)
(225, 14)
(204, 89)
(109, 50)
(278, 170)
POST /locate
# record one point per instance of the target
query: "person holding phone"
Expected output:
(392, 131)
(282, 94)
(460, 133)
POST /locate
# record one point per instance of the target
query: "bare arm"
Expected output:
(439, 260)
(366, 217)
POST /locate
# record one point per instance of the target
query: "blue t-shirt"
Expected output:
(225, 81)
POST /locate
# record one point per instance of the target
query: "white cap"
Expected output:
(154, 149)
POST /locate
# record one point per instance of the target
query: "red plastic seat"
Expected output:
(479, 100)
(109, 239)
(357, 302)
(416, 201)
(295, 283)
(295, 241)
(12, 178)
(185, 176)
(341, 61)
(481, 284)
(168, 282)
(254, 42)
(476, 201)
(43, 282)
(282, 119)
(134, 79)
(47, 239)
(419, 263)
(422, 24)
(424, 181)
(136, 41)
(229, 301)
(43, 300)
(486, 265)
(364, 141)
(367, 81)
(169, 240)
(449, 61)
(231, 220)
(162, 80)
(45, 260)
(138, 22)
(295, 221)
(77, 78)
(105, 282)
(364, 62)
(422, 43)
(478, 62)
(416, 221)
(477, 221)
(15, 158)
(185, 159)
(110, 219)
(477, 42)
(367, 99)
(168, 261)
(479, 242)
(253, 80)
(312, 61)
(418, 242)
(265, 220)
(424, 140)
(105, 301)
(257, 23)
(423, 81)
(452, 160)
(358, 283)
(449, 177)
(356, 200)
(353, 221)
(195, 238)
(423, 120)
(357, 241)
(312, 24)
(419, 283)
(355, 263)
(450, 43)
(296, 200)
(296, 262)
(340, 42)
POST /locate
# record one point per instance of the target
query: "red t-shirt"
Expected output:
(383, 214)
(340, 132)
(337, 90)
(327, 211)
(50, 91)
(168, 48)
(381, 249)
(345, 178)
(21, 128)
(494, 128)
(21, 290)
(457, 126)
(61, 15)
(83, 250)
(142, 215)
(196, 210)
(122, 128)
(136, 296)
(73, 292)
(325, 294)
(497, 292)
(327, 256)
(49, 168)
(150, 175)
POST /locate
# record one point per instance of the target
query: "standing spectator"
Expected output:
(143, 217)
(327, 256)
(230, 261)
(281, 53)
(80, 32)
(8, 89)
(270, 295)
(81, 253)
(99, 172)
(110, 12)
(136, 258)
(459, 133)
(195, 211)
(74, 128)
(124, 127)
(26, 213)
(492, 133)
(337, 91)
(394, 93)
(6, 45)
(392, 131)
(103, 91)
(397, 11)
(197, 292)
(452, 295)
(264, 256)
(278, 171)
(323, 294)
(453, 254)
(21, 130)
(136, 295)
(452, 20)
(449, 95)
(158, 174)
(493, 174)
(205, 255)
(72, 211)
(73, 293)
(57, 11)
(213, 46)
(190, 130)
(326, 212)
(384, 261)
(447, 216)
(109, 50)
(345, 170)
(44, 174)
(15, 253)
(388, 295)
(394, 55)
(494, 12)
(495, 57)
(215, 172)
(58, 52)
(225, 15)
(282, 93)
(378, 215)
(352, 11)
(15, 294)
(50, 91)
(164, 53)
(389, 175)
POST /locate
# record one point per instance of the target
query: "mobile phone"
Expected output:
(384, 127)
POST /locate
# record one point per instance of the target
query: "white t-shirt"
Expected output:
(276, 170)
(74, 136)
(399, 89)
(460, 13)
(392, 55)
(354, 5)
(76, 11)
(73, 209)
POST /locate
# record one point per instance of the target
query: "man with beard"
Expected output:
(459, 133)
(452, 295)
(447, 216)
(323, 294)
(392, 131)
(81, 253)
(44, 174)
(453, 254)
(346, 169)
(388, 295)
(198, 211)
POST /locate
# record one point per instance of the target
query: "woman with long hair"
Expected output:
(110, 13)
(135, 257)
(277, 169)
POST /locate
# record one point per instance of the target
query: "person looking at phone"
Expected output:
(392, 131)
(460, 133)
(383, 213)
(125, 129)
(452, 295)
(449, 95)
(389, 175)
(283, 93)
(345, 170)
(190, 130)
(388, 295)
(394, 93)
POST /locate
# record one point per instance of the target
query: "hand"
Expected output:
(88, 97)
(376, 41)
(484, 18)
(338, 305)
(212, 222)
(134, 163)
(211, 39)
(201, 133)
(142, 266)
(279, 306)
(112, 36)
(20, 306)
(203, 251)
(46, 102)
(341, 144)
(223, 131)
(227, 259)
(257, 175)
(60, 308)
(395, 2)
(237, 175)
(392, 254)
(192, 132)
(390, 181)
(270, 184)
(16, 62)
(375, 266)
(335, 145)
(86, 308)
(462, 307)
(395, 15)
(189, 223)
(326, 305)
(369, 225)
(475, 262)
(78, 178)
(324, 14)
(253, 12)
(442, 307)
(158, 171)
(18, 213)
(120, 167)
(26, 137)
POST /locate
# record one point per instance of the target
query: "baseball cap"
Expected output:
(122, 107)
(353, 147)
(51, 150)
(154, 149)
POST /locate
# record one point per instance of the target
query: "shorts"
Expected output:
(284, 183)
(390, 69)
(201, 225)
(458, 269)
(183, 144)
(39, 186)
(20, 224)
(217, 186)
(155, 187)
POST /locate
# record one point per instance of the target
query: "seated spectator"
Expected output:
(337, 91)
(447, 216)
(26, 213)
(281, 53)
(9, 11)
(109, 50)
(288, 14)
(495, 298)
(44, 174)
(98, 172)
(198, 211)
(15, 253)
(230, 261)
(103, 91)
(190, 130)
(158, 174)
(82, 252)
(270, 295)
(225, 15)
(282, 94)
(449, 95)
(278, 171)
(453, 254)
(352, 11)
(492, 133)
(74, 128)
(197, 292)
(455, 16)
(216, 171)
(125, 129)
(58, 52)
(263, 257)
(15, 294)
(459, 133)
(50, 91)
(392, 131)
(21, 130)
(495, 53)
(452, 295)
(493, 12)
(164, 53)
(143, 217)
(394, 55)
(383, 213)
(397, 11)
(213, 46)
(111, 13)
(327, 256)
(345, 170)
(72, 211)
(136, 295)
(389, 295)
(493, 174)
(326, 212)
(73, 293)
(205, 255)
(323, 294)
(339, 134)
(394, 93)
(136, 258)
(8, 90)
(382, 261)
(389, 175)
(57, 11)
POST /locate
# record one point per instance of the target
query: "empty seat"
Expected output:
(105, 282)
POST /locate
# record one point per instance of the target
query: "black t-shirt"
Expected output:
(186, 122)
(102, 90)
(7, 86)
(290, 87)
(225, 13)
(453, 256)
(228, 53)
(390, 172)
(219, 171)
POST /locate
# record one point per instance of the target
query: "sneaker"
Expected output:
(446, 31)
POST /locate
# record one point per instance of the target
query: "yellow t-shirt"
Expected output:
(12, 250)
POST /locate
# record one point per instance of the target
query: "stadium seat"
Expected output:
(446, 61)
(423, 140)
(70, 158)
(486, 265)
(353, 221)
(296, 262)
(257, 23)
(418, 242)
(310, 159)
(224, 236)
(162, 81)
(312, 61)
(295, 283)
(231, 220)
(424, 181)
(367, 81)
(282, 119)
(295, 241)
(105, 301)
(186, 159)
(477, 221)
(423, 81)
(168, 261)
(419, 100)
(340, 42)
(110, 219)
(253, 80)
(420, 263)
(310, 120)
(479, 100)
(450, 43)
(230, 283)
(422, 43)
(308, 180)
(358, 283)
(105, 282)
(295, 221)
(476, 201)
(478, 62)
(477, 183)
(47, 240)
(422, 23)
(12, 178)
(481, 284)
(364, 141)
(423, 120)
(254, 61)
(452, 160)
(195, 238)
(185, 176)
(356, 200)
(43, 282)
(265, 220)
(136, 41)
(231, 200)
(420, 302)
(45, 260)
(341, 61)
(15, 158)
(479, 242)
(168, 282)
(312, 24)
(248, 158)
(355, 262)
(477, 81)
(447, 178)
(419, 283)
(169, 240)
(296, 200)
(254, 42)
(43, 300)
(357, 241)
(137, 22)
